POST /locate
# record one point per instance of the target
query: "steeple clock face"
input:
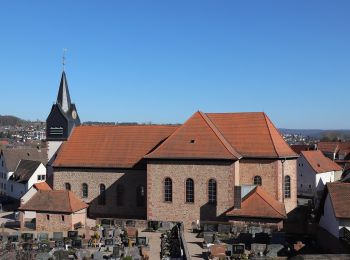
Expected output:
(74, 114)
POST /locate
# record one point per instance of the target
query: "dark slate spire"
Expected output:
(63, 98)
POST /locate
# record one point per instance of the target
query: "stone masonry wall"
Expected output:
(130, 179)
(54, 223)
(200, 172)
(266, 169)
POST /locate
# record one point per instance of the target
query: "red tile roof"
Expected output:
(298, 148)
(340, 196)
(42, 186)
(259, 204)
(110, 146)
(54, 201)
(225, 136)
(334, 147)
(319, 162)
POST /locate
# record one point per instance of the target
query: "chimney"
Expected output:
(237, 199)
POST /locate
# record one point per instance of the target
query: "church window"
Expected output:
(85, 190)
(189, 191)
(287, 186)
(212, 191)
(168, 190)
(120, 195)
(257, 180)
(67, 186)
(140, 196)
(102, 197)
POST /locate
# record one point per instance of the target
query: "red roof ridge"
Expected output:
(268, 129)
(220, 136)
(260, 190)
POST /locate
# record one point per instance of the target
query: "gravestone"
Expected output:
(57, 236)
(44, 246)
(59, 243)
(208, 237)
(273, 249)
(77, 243)
(43, 236)
(109, 242)
(141, 241)
(13, 238)
(245, 238)
(262, 238)
(116, 251)
(210, 228)
(27, 236)
(278, 238)
(72, 234)
(130, 223)
(238, 249)
(224, 228)
(258, 248)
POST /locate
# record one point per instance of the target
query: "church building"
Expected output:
(214, 167)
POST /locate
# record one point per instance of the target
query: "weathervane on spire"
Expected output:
(64, 58)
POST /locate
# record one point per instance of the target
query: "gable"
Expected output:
(195, 139)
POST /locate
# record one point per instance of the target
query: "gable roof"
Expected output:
(320, 163)
(13, 156)
(197, 138)
(259, 204)
(42, 186)
(339, 193)
(225, 136)
(54, 201)
(334, 147)
(110, 146)
(24, 171)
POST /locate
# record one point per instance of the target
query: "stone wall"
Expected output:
(55, 223)
(200, 172)
(130, 179)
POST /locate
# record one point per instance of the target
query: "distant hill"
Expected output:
(11, 121)
(343, 134)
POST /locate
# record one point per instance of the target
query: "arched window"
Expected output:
(85, 190)
(140, 196)
(287, 186)
(120, 195)
(168, 190)
(67, 186)
(257, 180)
(102, 197)
(212, 191)
(189, 190)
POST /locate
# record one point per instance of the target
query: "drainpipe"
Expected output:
(282, 161)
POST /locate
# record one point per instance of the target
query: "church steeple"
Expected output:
(63, 116)
(63, 97)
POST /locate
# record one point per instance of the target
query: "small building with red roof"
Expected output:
(54, 211)
(314, 171)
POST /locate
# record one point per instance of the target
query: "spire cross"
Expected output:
(64, 58)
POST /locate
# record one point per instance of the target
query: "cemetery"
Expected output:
(109, 239)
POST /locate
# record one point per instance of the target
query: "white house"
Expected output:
(22, 179)
(10, 158)
(314, 170)
(335, 211)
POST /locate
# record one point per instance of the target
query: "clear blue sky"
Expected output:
(161, 61)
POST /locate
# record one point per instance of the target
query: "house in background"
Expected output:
(335, 210)
(53, 211)
(10, 158)
(314, 170)
(24, 177)
(336, 151)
